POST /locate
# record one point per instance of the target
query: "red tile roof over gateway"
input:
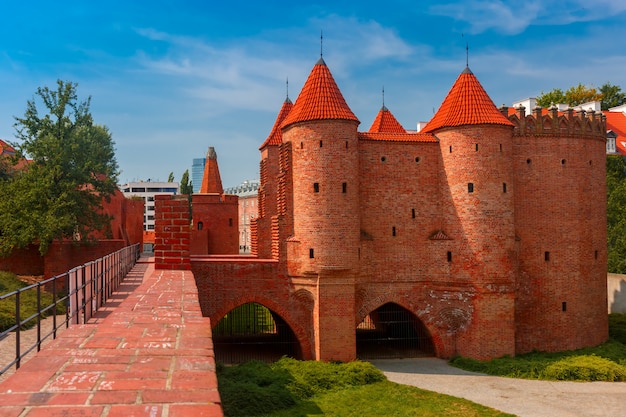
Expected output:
(319, 99)
(467, 103)
(386, 122)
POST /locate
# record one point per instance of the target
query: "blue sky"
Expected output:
(171, 78)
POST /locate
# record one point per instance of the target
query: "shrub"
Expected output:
(585, 368)
(253, 388)
(312, 377)
(256, 388)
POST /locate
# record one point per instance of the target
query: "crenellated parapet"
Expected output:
(552, 122)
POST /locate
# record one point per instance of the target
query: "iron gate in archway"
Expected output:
(392, 331)
(253, 332)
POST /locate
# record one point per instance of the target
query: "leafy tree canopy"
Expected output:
(185, 185)
(60, 192)
(609, 95)
(170, 178)
(616, 216)
(612, 96)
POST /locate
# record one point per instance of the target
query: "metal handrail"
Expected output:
(88, 287)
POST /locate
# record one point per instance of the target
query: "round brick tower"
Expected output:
(322, 132)
(476, 153)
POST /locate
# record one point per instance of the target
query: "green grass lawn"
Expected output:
(606, 362)
(28, 302)
(290, 388)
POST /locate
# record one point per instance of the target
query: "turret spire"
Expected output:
(319, 99)
(211, 180)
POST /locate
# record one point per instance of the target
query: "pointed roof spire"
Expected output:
(276, 136)
(211, 180)
(467, 103)
(320, 99)
(385, 122)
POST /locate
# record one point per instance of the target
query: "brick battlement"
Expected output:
(554, 123)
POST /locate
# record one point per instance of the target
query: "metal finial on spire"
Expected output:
(383, 96)
(466, 51)
(321, 44)
(287, 87)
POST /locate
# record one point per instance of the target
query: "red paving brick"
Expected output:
(148, 353)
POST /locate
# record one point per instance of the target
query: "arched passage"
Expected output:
(253, 332)
(392, 331)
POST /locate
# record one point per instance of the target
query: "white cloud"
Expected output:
(512, 18)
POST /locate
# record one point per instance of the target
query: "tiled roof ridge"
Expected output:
(320, 99)
(398, 137)
(386, 122)
(467, 103)
(276, 136)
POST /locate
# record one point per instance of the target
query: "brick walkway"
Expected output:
(148, 353)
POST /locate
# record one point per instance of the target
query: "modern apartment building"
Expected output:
(147, 190)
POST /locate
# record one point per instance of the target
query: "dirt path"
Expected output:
(27, 339)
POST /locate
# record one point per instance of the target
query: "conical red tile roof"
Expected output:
(467, 103)
(211, 180)
(319, 99)
(276, 136)
(385, 122)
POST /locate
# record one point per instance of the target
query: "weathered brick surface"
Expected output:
(149, 354)
(215, 218)
(172, 232)
(492, 235)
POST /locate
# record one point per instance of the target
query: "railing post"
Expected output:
(38, 317)
(17, 330)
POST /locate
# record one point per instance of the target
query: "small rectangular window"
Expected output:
(311, 253)
(476, 147)
(449, 256)
(344, 187)
(470, 187)
(321, 143)
(316, 187)
(504, 187)
(393, 231)
(564, 306)
(546, 256)
(230, 222)
(413, 213)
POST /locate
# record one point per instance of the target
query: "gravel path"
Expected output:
(524, 398)
(27, 339)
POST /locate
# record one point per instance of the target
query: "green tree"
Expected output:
(551, 97)
(185, 185)
(59, 194)
(170, 178)
(616, 213)
(612, 96)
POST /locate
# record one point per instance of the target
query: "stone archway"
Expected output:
(251, 331)
(391, 331)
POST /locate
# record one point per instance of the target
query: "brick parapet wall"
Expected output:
(172, 232)
(569, 123)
